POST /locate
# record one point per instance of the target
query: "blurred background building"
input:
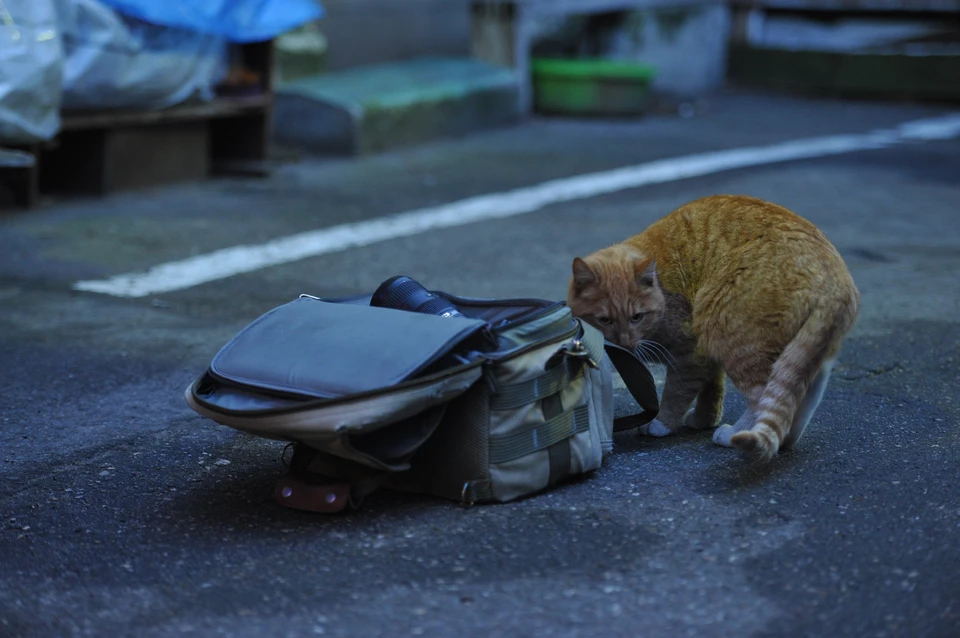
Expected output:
(104, 95)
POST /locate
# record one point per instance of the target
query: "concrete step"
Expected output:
(935, 76)
(378, 107)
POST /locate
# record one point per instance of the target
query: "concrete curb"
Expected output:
(933, 77)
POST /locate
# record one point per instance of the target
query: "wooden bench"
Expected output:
(99, 152)
(18, 174)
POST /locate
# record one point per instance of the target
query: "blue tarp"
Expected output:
(236, 20)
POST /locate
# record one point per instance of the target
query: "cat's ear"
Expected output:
(583, 275)
(646, 271)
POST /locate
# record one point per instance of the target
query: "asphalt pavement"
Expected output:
(123, 513)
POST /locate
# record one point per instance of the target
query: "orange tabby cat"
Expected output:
(726, 284)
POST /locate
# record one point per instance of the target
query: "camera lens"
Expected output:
(403, 293)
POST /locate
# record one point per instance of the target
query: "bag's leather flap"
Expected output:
(326, 350)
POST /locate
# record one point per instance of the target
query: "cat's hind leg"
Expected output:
(809, 403)
(708, 410)
(722, 435)
(791, 376)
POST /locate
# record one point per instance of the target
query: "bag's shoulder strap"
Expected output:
(634, 372)
(636, 376)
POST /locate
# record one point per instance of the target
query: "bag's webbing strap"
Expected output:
(639, 382)
(539, 437)
(554, 380)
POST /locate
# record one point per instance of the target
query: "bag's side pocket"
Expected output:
(544, 427)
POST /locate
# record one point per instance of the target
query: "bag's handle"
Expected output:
(324, 498)
(304, 490)
(634, 372)
(636, 376)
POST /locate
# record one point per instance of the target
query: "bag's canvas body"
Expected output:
(502, 403)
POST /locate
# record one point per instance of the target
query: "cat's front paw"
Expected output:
(696, 421)
(654, 428)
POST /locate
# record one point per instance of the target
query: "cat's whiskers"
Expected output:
(641, 352)
(658, 352)
(648, 353)
(662, 348)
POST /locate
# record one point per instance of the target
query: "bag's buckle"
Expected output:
(579, 351)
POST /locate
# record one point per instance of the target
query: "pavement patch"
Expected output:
(228, 262)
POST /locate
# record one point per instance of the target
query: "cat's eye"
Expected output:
(637, 318)
(604, 321)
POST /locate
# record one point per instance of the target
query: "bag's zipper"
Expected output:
(309, 401)
(567, 334)
(550, 306)
(280, 394)
(489, 303)
(546, 307)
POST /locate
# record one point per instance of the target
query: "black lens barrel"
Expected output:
(404, 293)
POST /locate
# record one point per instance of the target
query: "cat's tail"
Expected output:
(817, 340)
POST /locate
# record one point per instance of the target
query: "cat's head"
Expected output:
(616, 290)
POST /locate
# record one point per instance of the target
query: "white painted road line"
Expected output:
(220, 264)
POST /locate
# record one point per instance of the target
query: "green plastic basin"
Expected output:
(590, 87)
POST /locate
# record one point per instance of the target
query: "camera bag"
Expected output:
(503, 402)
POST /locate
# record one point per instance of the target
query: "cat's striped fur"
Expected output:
(726, 284)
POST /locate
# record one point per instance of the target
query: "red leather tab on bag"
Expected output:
(324, 498)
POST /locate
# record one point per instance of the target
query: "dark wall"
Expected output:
(371, 31)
